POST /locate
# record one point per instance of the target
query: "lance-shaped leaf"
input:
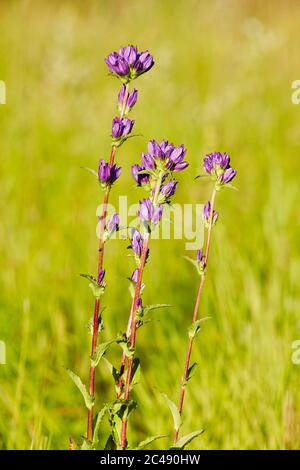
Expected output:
(114, 372)
(136, 373)
(99, 419)
(191, 371)
(196, 326)
(175, 412)
(183, 441)
(149, 308)
(100, 351)
(89, 402)
(123, 342)
(148, 441)
(195, 264)
(86, 444)
(90, 170)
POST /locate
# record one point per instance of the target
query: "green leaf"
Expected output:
(148, 441)
(99, 419)
(194, 263)
(90, 170)
(100, 351)
(89, 402)
(149, 308)
(123, 342)
(175, 412)
(191, 371)
(230, 186)
(97, 289)
(86, 444)
(136, 373)
(194, 329)
(183, 441)
(203, 175)
(114, 372)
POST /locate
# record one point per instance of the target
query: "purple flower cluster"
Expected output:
(108, 175)
(217, 164)
(207, 213)
(160, 157)
(166, 154)
(121, 127)
(129, 63)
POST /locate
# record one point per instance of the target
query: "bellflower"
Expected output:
(129, 63)
(121, 127)
(168, 189)
(148, 212)
(113, 224)
(108, 175)
(140, 178)
(201, 261)
(217, 165)
(206, 215)
(137, 242)
(165, 155)
(148, 162)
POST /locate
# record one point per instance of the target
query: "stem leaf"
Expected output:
(183, 441)
(193, 262)
(194, 328)
(149, 308)
(149, 440)
(90, 170)
(89, 402)
(136, 373)
(100, 351)
(191, 371)
(99, 419)
(175, 412)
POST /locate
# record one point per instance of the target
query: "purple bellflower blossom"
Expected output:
(121, 127)
(113, 224)
(129, 63)
(217, 165)
(140, 178)
(165, 155)
(200, 257)
(149, 213)
(108, 175)
(168, 189)
(137, 242)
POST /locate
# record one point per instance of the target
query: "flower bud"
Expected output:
(113, 224)
(100, 277)
(206, 215)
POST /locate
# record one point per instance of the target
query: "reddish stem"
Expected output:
(195, 314)
(133, 328)
(100, 268)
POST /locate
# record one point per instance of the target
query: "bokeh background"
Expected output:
(222, 81)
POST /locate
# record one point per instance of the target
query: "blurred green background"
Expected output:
(222, 81)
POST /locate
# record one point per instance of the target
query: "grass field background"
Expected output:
(222, 81)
